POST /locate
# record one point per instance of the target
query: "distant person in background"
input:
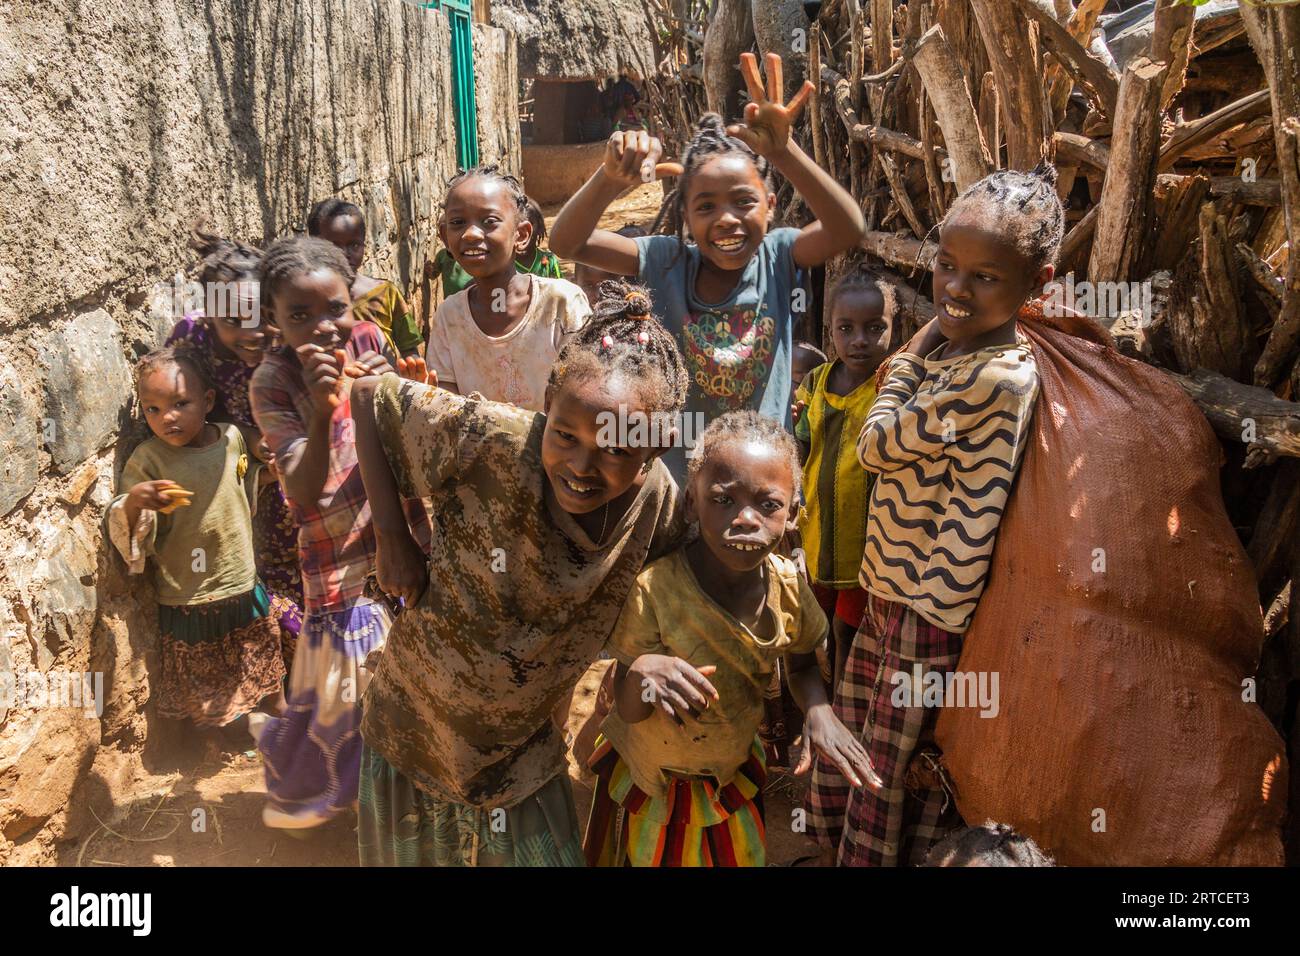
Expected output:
(627, 115)
(589, 278)
(534, 259)
(595, 124)
(454, 278)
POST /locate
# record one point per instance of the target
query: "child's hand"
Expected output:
(323, 373)
(401, 568)
(632, 158)
(415, 370)
(767, 122)
(150, 496)
(825, 734)
(796, 410)
(672, 684)
(369, 363)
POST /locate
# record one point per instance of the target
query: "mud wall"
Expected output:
(120, 124)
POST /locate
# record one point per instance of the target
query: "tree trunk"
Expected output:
(1012, 46)
(730, 33)
(780, 26)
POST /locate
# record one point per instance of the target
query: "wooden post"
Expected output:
(1012, 46)
(1121, 248)
(946, 87)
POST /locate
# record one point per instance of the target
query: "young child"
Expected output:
(545, 520)
(534, 259)
(377, 301)
(501, 335)
(944, 438)
(190, 491)
(696, 646)
(229, 340)
(806, 358)
(726, 295)
(300, 402)
(588, 278)
(835, 398)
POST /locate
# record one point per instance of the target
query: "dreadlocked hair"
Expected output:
(710, 141)
(298, 255)
(182, 356)
(330, 209)
(492, 171)
(747, 426)
(623, 338)
(221, 259)
(990, 844)
(1023, 207)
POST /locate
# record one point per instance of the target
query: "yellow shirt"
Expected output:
(835, 485)
(669, 613)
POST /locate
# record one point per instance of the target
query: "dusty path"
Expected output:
(209, 814)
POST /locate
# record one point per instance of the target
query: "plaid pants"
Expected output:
(914, 810)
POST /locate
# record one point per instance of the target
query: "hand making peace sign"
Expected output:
(766, 129)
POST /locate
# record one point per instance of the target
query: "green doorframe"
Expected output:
(460, 15)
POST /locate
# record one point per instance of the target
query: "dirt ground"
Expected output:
(209, 814)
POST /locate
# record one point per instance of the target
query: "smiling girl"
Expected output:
(727, 295)
(543, 525)
(944, 439)
(301, 403)
(500, 336)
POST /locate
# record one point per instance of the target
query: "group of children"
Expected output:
(471, 533)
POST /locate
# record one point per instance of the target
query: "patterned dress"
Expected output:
(275, 534)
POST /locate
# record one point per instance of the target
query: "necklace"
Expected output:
(603, 522)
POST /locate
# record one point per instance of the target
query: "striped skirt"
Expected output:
(398, 824)
(312, 754)
(898, 824)
(219, 660)
(698, 823)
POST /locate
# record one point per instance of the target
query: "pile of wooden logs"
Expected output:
(1175, 129)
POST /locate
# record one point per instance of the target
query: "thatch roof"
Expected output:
(578, 39)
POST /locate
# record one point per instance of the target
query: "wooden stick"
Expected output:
(1171, 43)
(1073, 148)
(946, 86)
(899, 191)
(1206, 128)
(1262, 192)
(815, 100)
(1013, 56)
(900, 250)
(989, 126)
(1122, 247)
(867, 132)
(1090, 72)
(1236, 411)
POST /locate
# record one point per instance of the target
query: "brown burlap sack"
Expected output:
(1121, 616)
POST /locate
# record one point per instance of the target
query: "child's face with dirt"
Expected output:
(314, 308)
(743, 499)
(483, 228)
(175, 404)
(727, 210)
(981, 279)
(585, 469)
(860, 329)
(236, 320)
(349, 234)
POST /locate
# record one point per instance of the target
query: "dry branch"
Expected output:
(946, 87)
(1244, 413)
(1013, 55)
(1090, 72)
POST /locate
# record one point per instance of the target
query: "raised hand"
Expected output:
(322, 372)
(768, 121)
(632, 157)
(414, 369)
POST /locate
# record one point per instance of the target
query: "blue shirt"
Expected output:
(737, 351)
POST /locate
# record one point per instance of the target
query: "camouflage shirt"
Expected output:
(520, 599)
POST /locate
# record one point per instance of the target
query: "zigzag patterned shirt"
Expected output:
(945, 437)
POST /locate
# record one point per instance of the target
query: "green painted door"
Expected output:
(462, 78)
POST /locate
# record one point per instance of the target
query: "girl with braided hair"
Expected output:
(944, 440)
(544, 521)
(500, 336)
(301, 404)
(723, 281)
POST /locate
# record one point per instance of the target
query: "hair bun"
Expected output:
(711, 122)
(1046, 172)
(638, 304)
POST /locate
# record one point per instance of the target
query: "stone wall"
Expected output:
(121, 124)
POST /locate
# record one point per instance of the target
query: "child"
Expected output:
(501, 335)
(300, 402)
(727, 295)
(806, 358)
(696, 646)
(588, 278)
(230, 341)
(992, 844)
(836, 398)
(190, 492)
(377, 301)
(534, 259)
(944, 438)
(545, 520)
